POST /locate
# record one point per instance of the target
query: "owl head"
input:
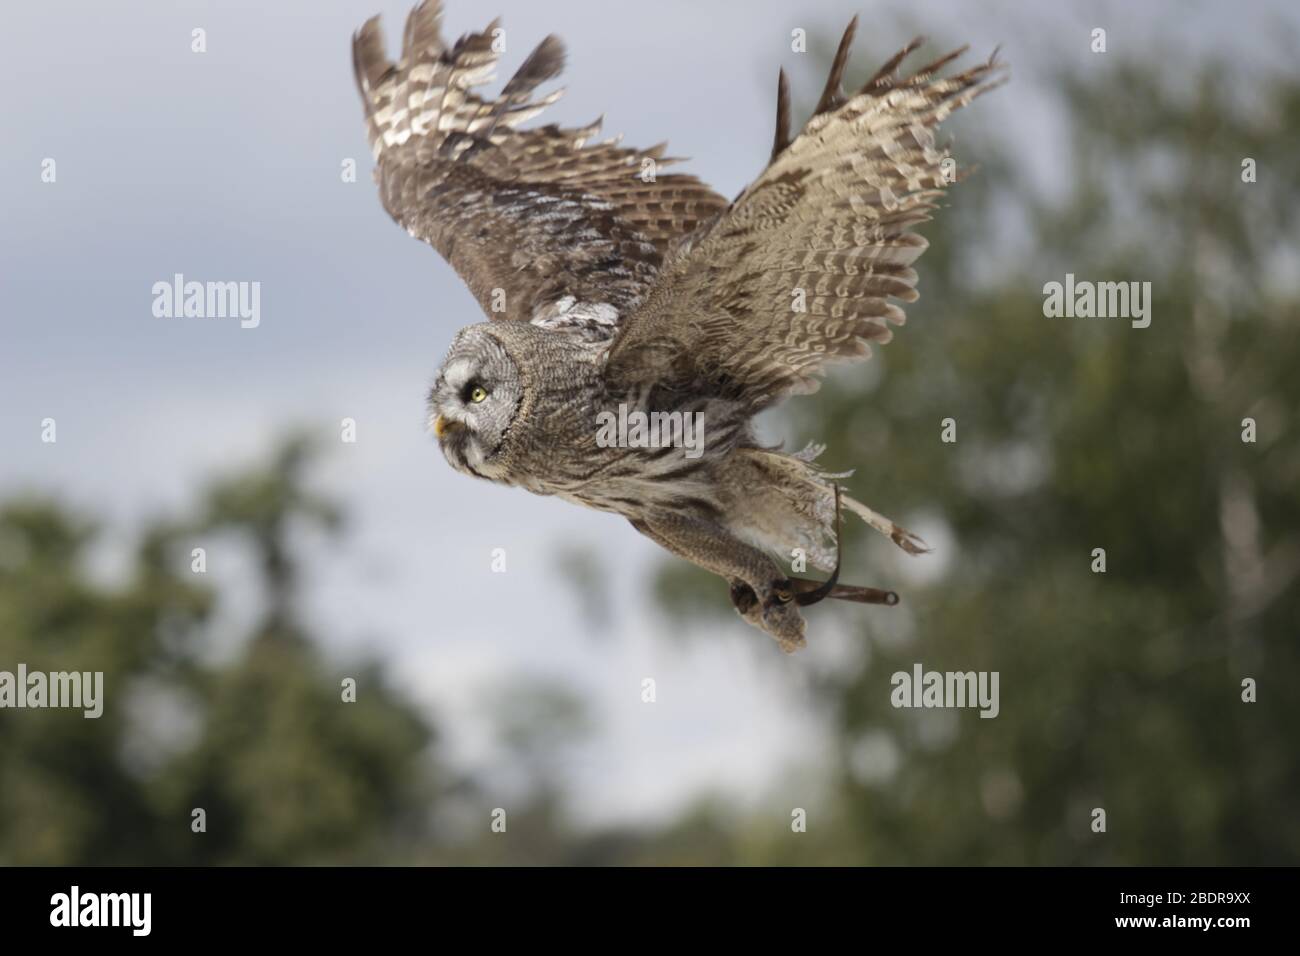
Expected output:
(475, 400)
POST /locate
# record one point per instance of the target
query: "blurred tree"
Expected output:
(284, 769)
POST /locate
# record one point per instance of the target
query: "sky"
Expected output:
(226, 166)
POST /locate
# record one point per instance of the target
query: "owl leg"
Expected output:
(760, 590)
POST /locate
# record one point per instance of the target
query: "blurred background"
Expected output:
(521, 690)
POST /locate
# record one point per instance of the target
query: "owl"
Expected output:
(637, 320)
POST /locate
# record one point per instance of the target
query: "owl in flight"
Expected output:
(618, 293)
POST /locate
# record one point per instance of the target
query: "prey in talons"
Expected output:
(805, 592)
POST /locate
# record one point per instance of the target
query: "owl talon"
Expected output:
(782, 592)
(743, 598)
(786, 625)
(778, 616)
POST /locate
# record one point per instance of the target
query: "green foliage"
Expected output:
(284, 769)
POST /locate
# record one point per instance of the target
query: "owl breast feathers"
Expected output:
(617, 292)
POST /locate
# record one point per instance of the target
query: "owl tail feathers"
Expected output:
(909, 542)
(905, 539)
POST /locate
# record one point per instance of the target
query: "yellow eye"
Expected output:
(477, 394)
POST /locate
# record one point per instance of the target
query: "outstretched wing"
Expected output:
(802, 268)
(542, 224)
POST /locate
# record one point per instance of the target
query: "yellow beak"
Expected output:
(442, 425)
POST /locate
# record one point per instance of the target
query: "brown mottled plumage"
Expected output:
(540, 213)
(626, 286)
